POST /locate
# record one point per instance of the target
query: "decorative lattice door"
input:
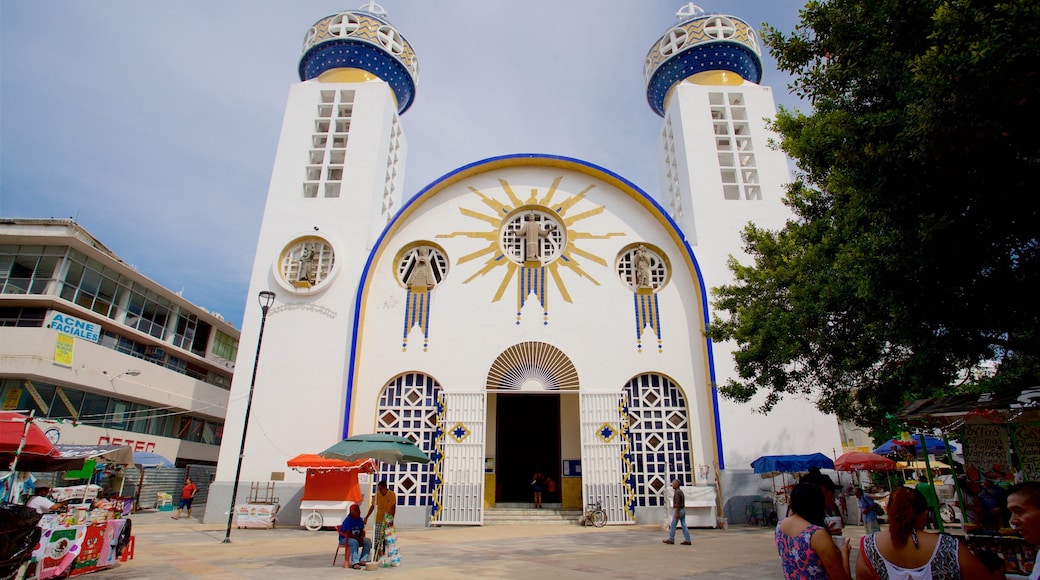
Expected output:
(459, 463)
(604, 448)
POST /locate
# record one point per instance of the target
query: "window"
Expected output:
(28, 269)
(224, 346)
(25, 317)
(729, 116)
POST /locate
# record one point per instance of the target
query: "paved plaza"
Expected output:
(186, 548)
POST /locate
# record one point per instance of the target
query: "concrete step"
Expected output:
(519, 515)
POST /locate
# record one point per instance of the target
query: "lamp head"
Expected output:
(266, 298)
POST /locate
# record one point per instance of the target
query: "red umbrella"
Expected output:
(862, 460)
(21, 438)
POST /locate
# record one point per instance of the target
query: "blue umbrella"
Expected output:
(934, 446)
(791, 463)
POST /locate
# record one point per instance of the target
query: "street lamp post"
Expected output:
(266, 299)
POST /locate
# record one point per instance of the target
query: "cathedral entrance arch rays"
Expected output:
(523, 385)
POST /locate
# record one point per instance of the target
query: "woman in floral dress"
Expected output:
(805, 546)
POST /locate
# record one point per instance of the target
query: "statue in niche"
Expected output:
(532, 233)
(306, 271)
(641, 263)
(421, 277)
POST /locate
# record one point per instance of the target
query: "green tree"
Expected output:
(913, 255)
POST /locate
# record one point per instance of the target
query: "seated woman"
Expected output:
(905, 550)
(805, 546)
(352, 535)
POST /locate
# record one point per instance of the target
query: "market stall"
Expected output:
(90, 533)
(1000, 433)
(772, 465)
(331, 486)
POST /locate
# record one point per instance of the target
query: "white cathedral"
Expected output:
(524, 313)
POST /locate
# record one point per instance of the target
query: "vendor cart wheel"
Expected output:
(948, 515)
(314, 521)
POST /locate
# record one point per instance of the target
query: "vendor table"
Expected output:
(75, 549)
(1018, 556)
(252, 515)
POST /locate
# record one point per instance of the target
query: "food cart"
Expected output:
(330, 487)
(1000, 433)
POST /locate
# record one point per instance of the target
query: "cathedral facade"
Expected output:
(524, 313)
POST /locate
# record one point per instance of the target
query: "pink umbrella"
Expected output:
(862, 460)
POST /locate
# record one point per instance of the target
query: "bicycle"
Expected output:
(594, 515)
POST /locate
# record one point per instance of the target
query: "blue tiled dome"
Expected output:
(363, 40)
(700, 43)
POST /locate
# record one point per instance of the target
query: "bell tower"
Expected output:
(718, 173)
(336, 182)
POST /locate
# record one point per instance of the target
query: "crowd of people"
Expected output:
(809, 548)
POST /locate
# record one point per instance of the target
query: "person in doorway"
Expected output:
(352, 535)
(1023, 501)
(385, 505)
(43, 504)
(550, 488)
(867, 512)
(537, 487)
(678, 515)
(187, 495)
(803, 542)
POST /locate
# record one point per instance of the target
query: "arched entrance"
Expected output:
(524, 388)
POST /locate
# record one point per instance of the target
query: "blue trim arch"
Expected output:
(447, 180)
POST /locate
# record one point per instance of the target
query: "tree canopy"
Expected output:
(912, 261)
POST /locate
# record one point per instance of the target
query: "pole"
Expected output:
(266, 299)
(931, 482)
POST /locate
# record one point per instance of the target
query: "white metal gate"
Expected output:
(459, 465)
(603, 448)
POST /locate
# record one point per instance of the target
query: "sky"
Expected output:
(154, 124)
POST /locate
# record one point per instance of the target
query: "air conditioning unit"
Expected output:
(153, 351)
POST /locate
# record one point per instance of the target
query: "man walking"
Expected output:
(867, 512)
(679, 515)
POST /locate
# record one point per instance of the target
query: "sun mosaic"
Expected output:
(532, 241)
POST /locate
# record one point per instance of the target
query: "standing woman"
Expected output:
(537, 484)
(905, 550)
(803, 542)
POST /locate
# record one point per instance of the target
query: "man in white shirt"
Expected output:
(1023, 502)
(42, 504)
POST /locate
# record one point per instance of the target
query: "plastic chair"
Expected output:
(345, 547)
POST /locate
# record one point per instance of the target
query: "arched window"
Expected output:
(408, 408)
(660, 436)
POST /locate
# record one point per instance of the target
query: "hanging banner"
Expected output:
(73, 326)
(63, 350)
(1027, 448)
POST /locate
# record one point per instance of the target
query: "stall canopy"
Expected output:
(1020, 404)
(331, 479)
(315, 461)
(921, 465)
(121, 454)
(148, 459)
(791, 463)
